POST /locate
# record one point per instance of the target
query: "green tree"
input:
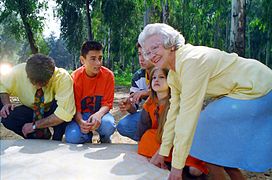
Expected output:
(30, 20)
(9, 46)
(59, 52)
(122, 18)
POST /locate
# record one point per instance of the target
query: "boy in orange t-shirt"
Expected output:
(94, 93)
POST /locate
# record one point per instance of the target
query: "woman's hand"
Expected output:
(175, 174)
(158, 160)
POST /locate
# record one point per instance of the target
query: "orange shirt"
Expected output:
(91, 93)
(148, 145)
(150, 106)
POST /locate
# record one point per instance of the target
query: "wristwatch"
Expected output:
(34, 126)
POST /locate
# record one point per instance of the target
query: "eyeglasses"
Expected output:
(153, 50)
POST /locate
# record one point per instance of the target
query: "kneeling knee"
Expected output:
(194, 171)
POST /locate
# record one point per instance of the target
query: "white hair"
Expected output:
(170, 37)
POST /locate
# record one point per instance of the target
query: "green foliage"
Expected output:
(8, 46)
(72, 23)
(70, 71)
(17, 11)
(24, 20)
(60, 53)
(122, 78)
(117, 24)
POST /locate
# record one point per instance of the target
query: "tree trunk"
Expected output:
(89, 20)
(237, 32)
(268, 46)
(165, 11)
(248, 44)
(227, 30)
(132, 64)
(146, 15)
(216, 34)
(109, 46)
(184, 7)
(74, 62)
(29, 33)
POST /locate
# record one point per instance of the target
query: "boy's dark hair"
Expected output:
(39, 68)
(88, 46)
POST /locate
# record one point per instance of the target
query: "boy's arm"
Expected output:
(137, 96)
(95, 119)
(99, 114)
(132, 109)
(127, 105)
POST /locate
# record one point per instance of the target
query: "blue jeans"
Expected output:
(74, 135)
(127, 126)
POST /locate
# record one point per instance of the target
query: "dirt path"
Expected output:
(121, 92)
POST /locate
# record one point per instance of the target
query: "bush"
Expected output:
(122, 78)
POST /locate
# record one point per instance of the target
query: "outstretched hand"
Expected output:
(158, 160)
(125, 104)
(137, 96)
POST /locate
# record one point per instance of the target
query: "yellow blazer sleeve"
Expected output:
(168, 133)
(194, 77)
(64, 97)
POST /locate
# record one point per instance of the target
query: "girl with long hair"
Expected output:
(153, 117)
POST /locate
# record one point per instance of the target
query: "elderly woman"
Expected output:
(234, 131)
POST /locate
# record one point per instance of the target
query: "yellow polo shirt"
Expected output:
(59, 87)
(202, 72)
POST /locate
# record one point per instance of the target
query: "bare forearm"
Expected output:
(78, 117)
(49, 121)
(102, 111)
(146, 94)
(5, 98)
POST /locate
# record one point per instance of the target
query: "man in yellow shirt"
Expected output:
(56, 107)
(233, 131)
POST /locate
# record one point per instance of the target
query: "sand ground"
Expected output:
(121, 92)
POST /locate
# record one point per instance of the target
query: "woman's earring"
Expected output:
(172, 48)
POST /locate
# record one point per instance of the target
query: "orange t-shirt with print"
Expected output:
(91, 93)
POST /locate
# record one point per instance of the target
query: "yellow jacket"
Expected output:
(202, 72)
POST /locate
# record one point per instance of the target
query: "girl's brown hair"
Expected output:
(165, 102)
